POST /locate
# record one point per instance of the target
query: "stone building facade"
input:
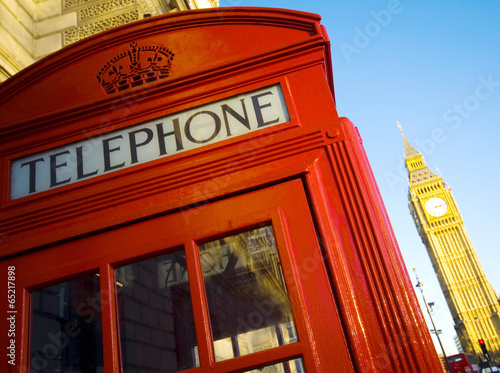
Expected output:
(32, 29)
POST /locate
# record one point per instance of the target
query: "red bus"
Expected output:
(463, 363)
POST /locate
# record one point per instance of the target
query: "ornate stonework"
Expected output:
(71, 3)
(153, 7)
(51, 25)
(70, 36)
(103, 8)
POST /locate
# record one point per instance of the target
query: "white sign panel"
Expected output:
(148, 141)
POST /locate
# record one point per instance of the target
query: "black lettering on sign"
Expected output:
(162, 135)
(134, 145)
(80, 174)
(32, 176)
(53, 169)
(243, 119)
(107, 153)
(216, 123)
(258, 110)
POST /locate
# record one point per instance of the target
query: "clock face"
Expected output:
(436, 207)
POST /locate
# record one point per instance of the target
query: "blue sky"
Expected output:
(434, 66)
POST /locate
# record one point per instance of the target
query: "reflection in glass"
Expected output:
(66, 331)
(155, 315)
(292, 366)
(248, 302)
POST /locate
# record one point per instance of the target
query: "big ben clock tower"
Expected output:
(470, 297)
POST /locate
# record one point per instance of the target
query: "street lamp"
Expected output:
(420, 286)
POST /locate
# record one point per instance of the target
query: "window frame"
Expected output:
(283, 205)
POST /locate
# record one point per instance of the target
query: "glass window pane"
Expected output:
(155, 315)
(247, 298)
(292, 366)
(66, 331)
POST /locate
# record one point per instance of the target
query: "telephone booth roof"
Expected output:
(204, 45)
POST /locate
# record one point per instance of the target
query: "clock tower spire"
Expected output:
(419, 172)
(470, 297)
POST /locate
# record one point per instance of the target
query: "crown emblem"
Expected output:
(137, 66)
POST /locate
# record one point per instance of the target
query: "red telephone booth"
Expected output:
(179, 194)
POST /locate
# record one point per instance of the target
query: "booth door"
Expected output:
(234, 285)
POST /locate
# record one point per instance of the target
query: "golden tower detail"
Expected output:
(471, 299)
